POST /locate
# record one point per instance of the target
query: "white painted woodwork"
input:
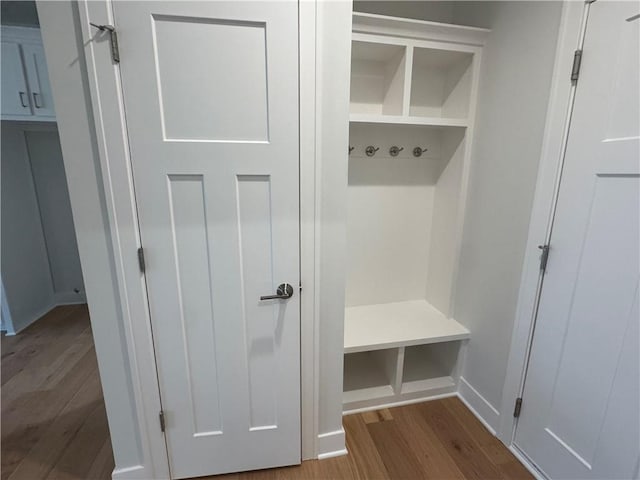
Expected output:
(26, 91)
(15, 94)
(377, 78)
(440, 83)
(36, 67)
(580, 416)
(407, 120)
(371, 23)
(399, 375)
(216, 177)
(404, 216)
(372, 327)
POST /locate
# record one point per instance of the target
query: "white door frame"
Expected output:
(113, 153)
(572, 29)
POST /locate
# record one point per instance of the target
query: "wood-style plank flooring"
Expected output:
(440, 439)
(54, 424)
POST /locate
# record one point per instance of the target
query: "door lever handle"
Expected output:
(283, 292)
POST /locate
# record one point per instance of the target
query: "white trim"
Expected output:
(524, 460)
(480, 406)
(106, 99)
(69, 298)
(401, 403)
(35, 317)
(418, 29)
(137, 472)
(560, 102)
(28, 35)
(331, 444)
(309, 230)
(516, 452)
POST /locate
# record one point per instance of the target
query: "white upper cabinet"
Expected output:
(26, 92)
(15, 95)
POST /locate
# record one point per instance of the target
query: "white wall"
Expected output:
(40, 262)
(25, 267)
(68, 75)
(47, 168)
(512, 103)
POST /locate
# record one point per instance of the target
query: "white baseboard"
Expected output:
(331, 444)
(69, 298)
(59, 300)
(479, 406)
(137, 472)
(35, 317)
(527, 463)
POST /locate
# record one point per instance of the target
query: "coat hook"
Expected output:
(351, 149)
(371, 150)
(394, 151)
(418, 151)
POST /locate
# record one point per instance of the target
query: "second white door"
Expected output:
(581, 406)
(211, 102)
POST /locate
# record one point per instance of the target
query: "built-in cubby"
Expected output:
(429, 367)
(440, 83)
(412, 105)
(377, 78)
(370, 375)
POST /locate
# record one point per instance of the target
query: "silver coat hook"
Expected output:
(418, 151)
(351, 149)
(371, 150)
(394, 151)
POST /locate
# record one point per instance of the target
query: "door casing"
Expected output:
(571, 36)
(113, 153)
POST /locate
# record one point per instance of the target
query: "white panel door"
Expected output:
(211, 102)
(581, 407)
(15, 96)
(36, 66)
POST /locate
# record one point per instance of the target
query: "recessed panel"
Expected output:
(609, 272)
(193, 258)
(212, 79)
(262, 318)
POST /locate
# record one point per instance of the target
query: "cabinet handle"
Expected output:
(22, 94)
(35, 100)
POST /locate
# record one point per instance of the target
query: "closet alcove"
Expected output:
(413, 87)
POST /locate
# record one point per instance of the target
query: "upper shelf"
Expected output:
(418, 29)
(389, 325)
(408, 120)
(405, 81)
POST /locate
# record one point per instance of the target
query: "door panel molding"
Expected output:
(113, 153)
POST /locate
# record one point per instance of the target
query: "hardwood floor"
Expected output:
(54, 423)
(440, 439)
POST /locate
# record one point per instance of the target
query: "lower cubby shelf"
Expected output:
(369, 375)
(429, 367)
(396, 375)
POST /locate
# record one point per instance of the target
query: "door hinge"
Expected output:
(575, 69)
(141, 263)
(518, 407)
(161, 418)
(113, 40)
(544, 257)
(300, 287)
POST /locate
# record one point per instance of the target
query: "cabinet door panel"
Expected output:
(15, 96)
(36, 65)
